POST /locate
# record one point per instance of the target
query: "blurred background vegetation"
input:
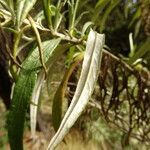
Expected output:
(126, 24)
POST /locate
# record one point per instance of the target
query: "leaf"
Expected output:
(70, 55)
(58, 19)
(101, 3)
(57, 109)
(8, 6)
(137, 28)
(136, 16)
(22, 9)
(132, 48)
(80, 17)
(16, 118)
(34, 102)
(10, 3)
(126, 9)
(23, 90)
(85, 86)
(106, 14)
(4, 4)
(86, 26)
(47, 12)
(145, 48)
(36, 92)
(99, 8)
(49, 48)
(57, 103)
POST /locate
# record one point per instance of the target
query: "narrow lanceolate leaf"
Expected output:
(36, 92)
(85, 86)
(19, 105)
(57, 109)
(23, 90)
(47, 13)
(34, 102)
(145, 48)
(22, 9)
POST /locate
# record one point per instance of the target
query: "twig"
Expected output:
(39, 43)
(67, 37)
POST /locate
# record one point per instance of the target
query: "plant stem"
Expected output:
(39, 42)
(72, 16)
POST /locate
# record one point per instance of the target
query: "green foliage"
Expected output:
(22, 92)
(22, 9)
(141, 51)
(36, 38)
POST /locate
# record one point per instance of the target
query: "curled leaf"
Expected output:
(85, 86)
(57, 109)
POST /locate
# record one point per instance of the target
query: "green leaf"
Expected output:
(22, 9)
(145, 48)
(57, 109)
(80, 17)
(33, 61)
(23, 90)
(58, 19)
(101, 3)
(47, 12)
(136, 16)
(126, 9)
(4, 4)
(16, 118)
(99, 8)
(70, 55)
(8, 5)
(85, 86)
(137, 28)
(57, 103)
(86, 26)
(107, 12)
